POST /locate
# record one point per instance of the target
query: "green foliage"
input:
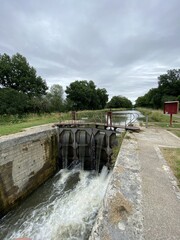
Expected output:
(151, 99)
(156, 116)
(92, 116)
(168, 90)
(83, 95)
(102, 98)
(39, 105)
(169, 84)
(119, 102)
(21, 89)
(55, 98)
(17, 74)
(115, 150)
(13, 102)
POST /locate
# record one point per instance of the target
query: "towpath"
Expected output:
(160, 195)
(142, 201)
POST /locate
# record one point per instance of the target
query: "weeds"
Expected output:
(116, 148)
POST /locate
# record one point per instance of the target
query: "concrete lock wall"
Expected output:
(26, 161)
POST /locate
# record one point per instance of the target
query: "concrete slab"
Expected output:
(161, 202)
(142, 200)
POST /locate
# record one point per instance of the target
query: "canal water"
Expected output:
(126, 117)
(64, 208)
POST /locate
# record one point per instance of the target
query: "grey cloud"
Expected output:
(121, 45)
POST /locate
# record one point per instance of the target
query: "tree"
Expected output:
(102, 98)
(84, 95)
(39, 105)
(169, 83)
(119, 102)
(13, 102)
(141, 102)
(55, 98)
(17, 74)
(168, 90)
(151, 99)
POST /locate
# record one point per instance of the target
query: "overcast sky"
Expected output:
(122, 45)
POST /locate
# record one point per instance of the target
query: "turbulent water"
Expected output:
(64, 208)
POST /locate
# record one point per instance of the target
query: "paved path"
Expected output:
(160, 195)
(142, 201)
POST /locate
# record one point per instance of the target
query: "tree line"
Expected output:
(168, 90)
(23, 91)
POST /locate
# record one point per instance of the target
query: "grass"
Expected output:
(116, 148)
(175, 131)
(172, 156)
(156, 118)
(14, 124)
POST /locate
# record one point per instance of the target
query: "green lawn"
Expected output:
(13, 125)
(172, 156)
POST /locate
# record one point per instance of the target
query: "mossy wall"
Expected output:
(26, 161)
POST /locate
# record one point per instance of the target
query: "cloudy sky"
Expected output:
(122, 45)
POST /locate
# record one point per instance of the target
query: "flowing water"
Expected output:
(64, 208)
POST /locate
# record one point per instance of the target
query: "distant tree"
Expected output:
(17, 74)
(141, 102)
(168, 90)
(39, 105)
(84, 95)
(55, 98)
(119, 102)
(102, 98)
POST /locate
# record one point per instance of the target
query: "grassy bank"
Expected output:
(156, 118)
(13, 123)
(172, 156)
(116, 148)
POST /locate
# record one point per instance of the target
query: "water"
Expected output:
(124, 118)
(63, 208)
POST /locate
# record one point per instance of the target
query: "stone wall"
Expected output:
(26, 161)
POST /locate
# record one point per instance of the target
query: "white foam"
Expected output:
(70, 214)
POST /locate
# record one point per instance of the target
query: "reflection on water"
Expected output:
(124, 118)
(65, 207)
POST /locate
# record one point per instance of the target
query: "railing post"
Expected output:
(146, 121)
(109, 118)
(73, 115)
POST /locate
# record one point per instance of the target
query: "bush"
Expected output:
(13, 102)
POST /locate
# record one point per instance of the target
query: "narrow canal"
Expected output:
(63, 208)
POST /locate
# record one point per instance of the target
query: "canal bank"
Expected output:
(27, 160)
(142, 199)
